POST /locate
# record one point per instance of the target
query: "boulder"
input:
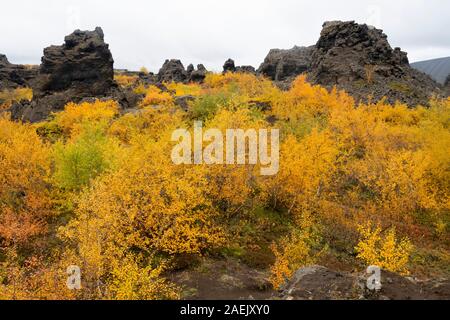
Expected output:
(172, 71)
(280, 65)
(190, 69)
(184, 102)
(229, 66)
(198, 75)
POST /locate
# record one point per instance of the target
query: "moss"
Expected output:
(400, 87)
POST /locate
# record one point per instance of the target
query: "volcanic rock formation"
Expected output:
(172, 70)
(13, 75)
(229, 66)
(197, 75)
(281, 65)
(357, 58)
(80, 68)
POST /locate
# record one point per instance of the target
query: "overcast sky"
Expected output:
(146, 32)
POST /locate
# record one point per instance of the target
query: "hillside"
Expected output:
(89, 177)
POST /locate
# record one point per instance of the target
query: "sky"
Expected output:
(147, 32)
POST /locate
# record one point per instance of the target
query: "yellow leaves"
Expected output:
(153, 123)
(182, 89)
(245, 85)
(124, 80)
(153, 205)
(74, 115)
(340, 164)
(130, 281)
(292, 253)
(384, 251)
(24, 190)
(306, 169)
(155, 97)
(9, 96)
(304, 100)
(144, 70)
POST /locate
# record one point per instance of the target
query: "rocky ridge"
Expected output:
(356, 58)
(13, 76)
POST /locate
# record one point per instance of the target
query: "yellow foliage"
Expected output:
(181, 89)
(143, 70)
(147, 205)
(128, 209)
(155, 97)
(154, 123)
(24, 191)
(125, 80)
(8, 97)
(243, 86)
(306, 169)
(133, 282)
(384, 251)
(75, 115)
(293, 252)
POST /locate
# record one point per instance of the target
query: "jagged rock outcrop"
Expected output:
(84, 63)
(81, 68)
(229, 66)
(190, 68)
(246, 69)
(13, 75)
(197, 75)
(172, 70)
(359, 59)
(281, 65)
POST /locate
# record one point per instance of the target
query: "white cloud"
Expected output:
(145, 33)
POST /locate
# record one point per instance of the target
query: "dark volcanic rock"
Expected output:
(172, 70)
(246, 69)
(80, 68)
(280, 65)
(190, 69)
(84, 62)
(199, 74)
(359, 59)
(13, 75)
(229, 66)
(184, 101)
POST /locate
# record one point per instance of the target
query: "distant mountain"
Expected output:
(437, 69)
